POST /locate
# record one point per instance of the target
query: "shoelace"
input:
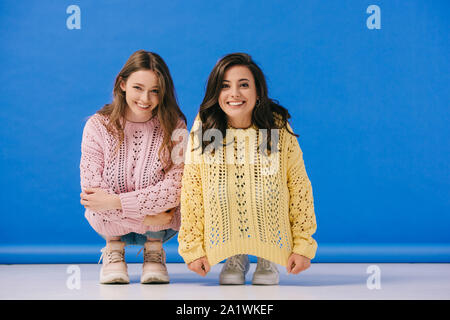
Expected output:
(265, 265)
(111, 256)
(152, 256)
(235, 262)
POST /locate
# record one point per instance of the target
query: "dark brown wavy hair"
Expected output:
(267, 114)
(167, 110)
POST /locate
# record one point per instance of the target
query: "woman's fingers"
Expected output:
(301, 267)
(170, 216)
(85, 196)
(297, 268)
(170, 211)
(206, 265)
(158, 219)
(90, 190)
(84, 203)
(146, 221)
(290, 264)
(297, 264)
(193, 266)
(200, 266)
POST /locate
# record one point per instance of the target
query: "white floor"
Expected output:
(322, 281)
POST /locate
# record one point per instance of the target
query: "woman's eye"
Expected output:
(245, 85)
(225, 85)
(155, 91)
(138, 88)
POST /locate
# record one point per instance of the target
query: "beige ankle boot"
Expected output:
(154, 269)
(114, 268)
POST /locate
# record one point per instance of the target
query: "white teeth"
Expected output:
(143, 106)
(235, 103)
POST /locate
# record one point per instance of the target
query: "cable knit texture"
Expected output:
(134, 172)
(258, 205)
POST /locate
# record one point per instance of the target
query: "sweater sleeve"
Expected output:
(191, 234)
(301, 202)
(159, 197)
(92, 164)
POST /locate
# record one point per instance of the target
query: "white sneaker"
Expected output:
(266, 273)
(234, 270)
(114, 268)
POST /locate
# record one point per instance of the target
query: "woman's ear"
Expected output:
(122, 84)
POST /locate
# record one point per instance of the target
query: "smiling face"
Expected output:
(238, 96)
(142, 95)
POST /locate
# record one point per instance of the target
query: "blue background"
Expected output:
(371, 108)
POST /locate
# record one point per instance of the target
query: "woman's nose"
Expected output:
(235, 92)
(145, 98)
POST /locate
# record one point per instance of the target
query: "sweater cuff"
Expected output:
(306, 248)
(193, 254)
(130, 207)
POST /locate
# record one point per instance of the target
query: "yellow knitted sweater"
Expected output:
(237, 201)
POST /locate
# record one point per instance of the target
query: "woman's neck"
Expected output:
(132, 117)
(240, 124)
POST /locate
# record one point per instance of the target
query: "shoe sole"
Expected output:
(265, 282)
(114, 278)
(230, 280)
(154, 278)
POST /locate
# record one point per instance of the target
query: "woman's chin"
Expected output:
(238, 115)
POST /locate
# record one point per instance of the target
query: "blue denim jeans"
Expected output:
(133, 238)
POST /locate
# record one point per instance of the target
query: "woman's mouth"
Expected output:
(143, 106)
(235, 103)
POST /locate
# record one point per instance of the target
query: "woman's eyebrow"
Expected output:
(243, 79)
(140, 84)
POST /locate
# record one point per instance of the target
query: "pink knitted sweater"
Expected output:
(134, 172)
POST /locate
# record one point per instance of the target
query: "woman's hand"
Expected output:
(159, 219)
(297, 263)
(200, 266)
(97, 199)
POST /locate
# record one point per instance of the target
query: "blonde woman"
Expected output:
(130, 185)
